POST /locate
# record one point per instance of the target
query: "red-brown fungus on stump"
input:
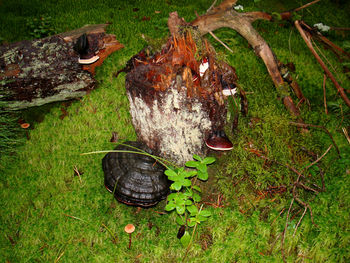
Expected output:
(174, 106)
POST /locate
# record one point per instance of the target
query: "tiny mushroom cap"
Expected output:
(25, 125)
(129, 228)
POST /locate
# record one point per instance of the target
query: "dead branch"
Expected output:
(225, 16)
(346, 134)
(305, 6)
(320, 158)
(256, 15)
(324, 93)
(306, 38)
(317, 35)
(222, 43)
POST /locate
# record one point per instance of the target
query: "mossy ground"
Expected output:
(49, 215)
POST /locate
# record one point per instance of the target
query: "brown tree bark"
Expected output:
(33, 73)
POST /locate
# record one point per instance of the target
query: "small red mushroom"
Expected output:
(25, 125)
(129, 228)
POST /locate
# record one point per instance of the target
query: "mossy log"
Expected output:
(33, 73)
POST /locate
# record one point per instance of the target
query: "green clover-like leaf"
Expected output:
(185, 239)
(192, 164)
(191, 222)
(197, 157)
(171, 173)
(190, 173)
(193, 210)
(202, 167)
(176, 186)
(205, 213)
(196, 197)
(201, 219)
(170, 206)
(209, 160)
(203, 175)
(197, 188)
(180, 209)
(186, 182)
(188, 192)
(188, 202)
(180, 220)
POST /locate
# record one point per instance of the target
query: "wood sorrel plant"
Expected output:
(185, 197)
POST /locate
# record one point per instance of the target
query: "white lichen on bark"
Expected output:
(173, 123)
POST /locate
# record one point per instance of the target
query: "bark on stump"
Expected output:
(173, 108)
(33, 73)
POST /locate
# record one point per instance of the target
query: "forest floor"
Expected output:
(49, 214)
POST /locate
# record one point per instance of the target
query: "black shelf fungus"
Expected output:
(135, 179)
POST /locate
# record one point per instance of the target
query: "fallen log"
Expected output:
(33, 73)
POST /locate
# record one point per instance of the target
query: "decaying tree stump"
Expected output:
(33, 73)
(174, 107)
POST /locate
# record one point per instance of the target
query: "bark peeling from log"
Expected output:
(174, 109)
(46, 69)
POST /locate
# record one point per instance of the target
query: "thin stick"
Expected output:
(222, 43)
(285, 230)
(59, 257)
(324, 93)
(306, 5)
(76, 218)
(307, 187)
(114, 237)
(322, 64)
(340, 28)
(305, 125)
(302, 216)
(308, 206)
(326, 41)
(278, 216)
(319, 159)
(77, 173)
(212, 6)
(346, 134)
(327, 60)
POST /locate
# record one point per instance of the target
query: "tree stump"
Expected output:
(33, 73)
(174, 106)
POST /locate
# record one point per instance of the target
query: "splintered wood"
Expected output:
(182, 57)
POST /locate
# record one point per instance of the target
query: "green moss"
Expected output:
(40, 193)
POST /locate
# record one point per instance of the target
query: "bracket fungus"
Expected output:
(135, 178)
